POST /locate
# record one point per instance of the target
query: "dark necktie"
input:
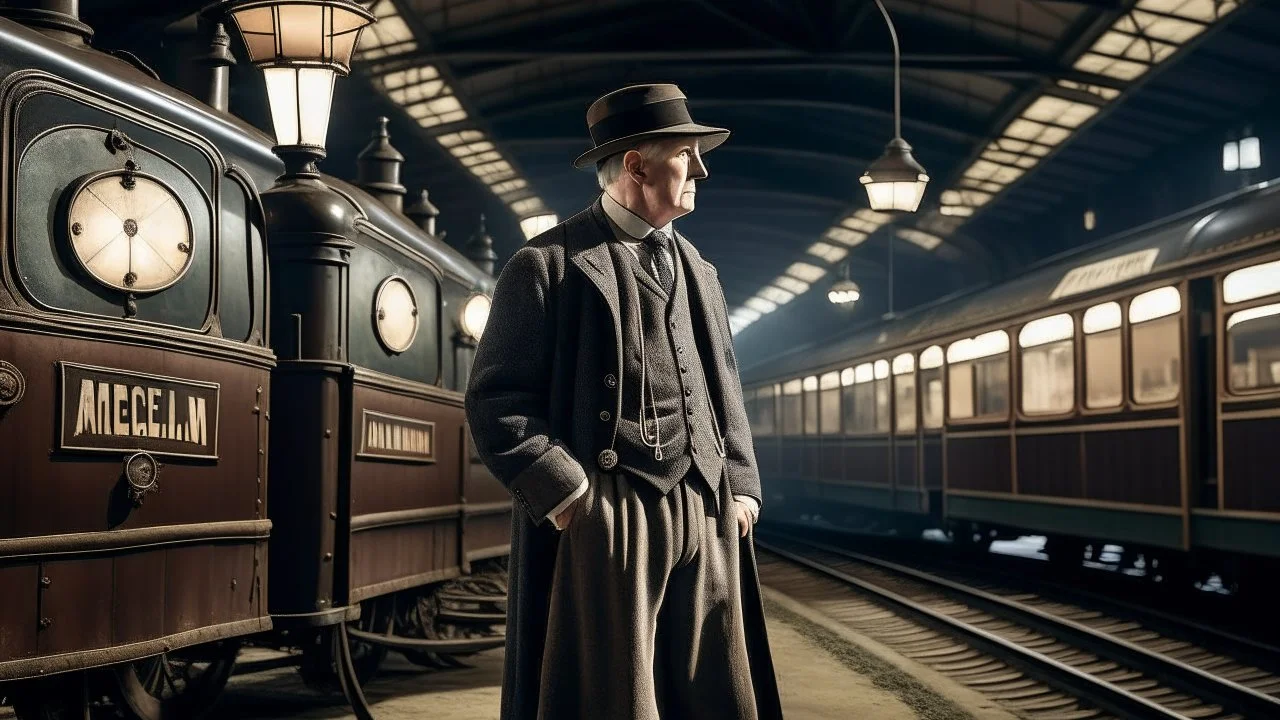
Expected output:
(657, 243)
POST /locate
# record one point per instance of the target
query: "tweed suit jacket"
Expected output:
(545, 390)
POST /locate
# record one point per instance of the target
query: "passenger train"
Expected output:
(1125, 393)
(226, 415)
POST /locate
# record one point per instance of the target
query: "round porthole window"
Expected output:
(395, 314)
(129, 231)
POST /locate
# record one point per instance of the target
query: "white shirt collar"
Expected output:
(631, 223)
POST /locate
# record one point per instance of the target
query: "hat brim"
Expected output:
(712, 138)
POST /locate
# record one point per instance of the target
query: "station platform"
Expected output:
(824, 671)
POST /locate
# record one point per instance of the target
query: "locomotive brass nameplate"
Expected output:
(110, 410)
(392, 437)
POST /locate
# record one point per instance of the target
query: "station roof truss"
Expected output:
(1010, 106)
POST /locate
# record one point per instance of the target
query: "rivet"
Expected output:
(267, 415)
(256, 409)
(259, 389)
(328, 557)
(260, 451)
(45, 623)
(327, 432)
(233, 583)
(333, 516)
(258, 502)
(45, 582)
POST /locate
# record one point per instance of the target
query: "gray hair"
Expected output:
(610, 169)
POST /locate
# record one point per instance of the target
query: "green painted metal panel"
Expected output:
(1255, 536)
(1121, 526)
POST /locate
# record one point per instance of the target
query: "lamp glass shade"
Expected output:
(301, 99)
(843, 292)
(301, 32)
(895, 182)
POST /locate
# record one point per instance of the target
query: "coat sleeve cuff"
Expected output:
(582, 490)
(547, 482)
(753, 506)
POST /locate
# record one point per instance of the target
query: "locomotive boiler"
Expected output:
(230, 396)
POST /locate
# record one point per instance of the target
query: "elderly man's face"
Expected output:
(669, 178)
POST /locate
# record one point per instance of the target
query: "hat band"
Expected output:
(653, 116)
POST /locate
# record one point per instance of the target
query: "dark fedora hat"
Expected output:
(635, 113)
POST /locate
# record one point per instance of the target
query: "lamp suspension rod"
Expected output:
(890, 273)
(897, 73)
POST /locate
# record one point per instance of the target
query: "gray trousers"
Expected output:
(646, 613)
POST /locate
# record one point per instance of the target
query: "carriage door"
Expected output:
(1202, 399)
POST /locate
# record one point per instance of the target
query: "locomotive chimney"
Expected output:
(59, 19)
(423, 213)
(218, 62)
(479, 249)
(379, 169)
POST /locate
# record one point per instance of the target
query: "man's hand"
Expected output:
(566, 516)
(744, 518)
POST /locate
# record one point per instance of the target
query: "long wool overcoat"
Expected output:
(548, 366)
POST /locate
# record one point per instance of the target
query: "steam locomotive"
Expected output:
(227, 413)
(1127, 393)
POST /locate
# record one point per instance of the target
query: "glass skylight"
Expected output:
(388, 36)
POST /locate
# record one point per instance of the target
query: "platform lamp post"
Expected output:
(895, 182)
(302, 46)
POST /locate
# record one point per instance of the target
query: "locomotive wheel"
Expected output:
(320, 657)
(177, 685)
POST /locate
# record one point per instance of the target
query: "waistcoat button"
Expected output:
(610, 381)
(688, 392)
(604, 415)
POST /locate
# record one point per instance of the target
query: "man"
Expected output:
(605, 396)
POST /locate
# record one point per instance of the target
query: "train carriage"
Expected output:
(1121, 394)
(135, 375)
(180, 322)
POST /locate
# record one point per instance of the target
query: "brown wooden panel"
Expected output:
(906, 471)
(483, 487)
(18, 610)
(383, 486)
(1049, 465)
(866, 461)
(79, 492)
(208, 585)
(390, 553)
(75, 602)
(138, 597)
(1133, 466)
(1251, 464)
(932, 463)
(485, 532)
(981, 463)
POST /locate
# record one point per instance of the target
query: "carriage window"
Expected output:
(904, 392)
(882, 395)
(811, 405)
(1253, 339)
(978, 376)
(846, 399)
(1154, 336)
(1102, 363)
(762, 411)
(829, 399)
(1048, 365)
(1251, 282)
(792, 410)
(931, 385)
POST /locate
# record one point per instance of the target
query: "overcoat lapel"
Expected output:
(590, 253)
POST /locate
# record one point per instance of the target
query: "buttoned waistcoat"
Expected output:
(539, 384)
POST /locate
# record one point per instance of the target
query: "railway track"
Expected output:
(1041, 659)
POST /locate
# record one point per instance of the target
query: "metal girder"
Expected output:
(515, 144)
(964, 135)
(996, 65)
